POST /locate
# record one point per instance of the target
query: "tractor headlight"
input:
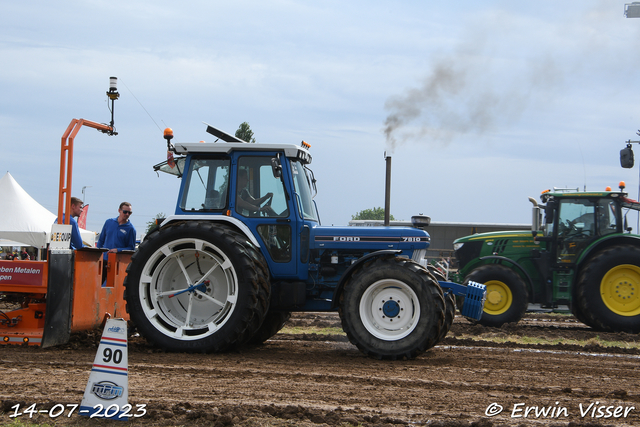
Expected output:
(457, 246)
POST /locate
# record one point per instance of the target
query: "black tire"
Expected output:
(273, 322)
(214, 316)
(449, 306)
(391, 289)
(576, 310)
(609, 289)
(507, 295)
(262, 309)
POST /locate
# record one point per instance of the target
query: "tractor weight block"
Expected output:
(474, 300)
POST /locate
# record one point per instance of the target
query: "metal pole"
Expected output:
(387, 192)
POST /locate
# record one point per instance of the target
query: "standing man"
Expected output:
(76, 210)
(118, 234)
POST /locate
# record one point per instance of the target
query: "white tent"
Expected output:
(22, 219)
(25, 221)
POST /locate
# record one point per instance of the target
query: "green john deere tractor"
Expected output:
(582, 255)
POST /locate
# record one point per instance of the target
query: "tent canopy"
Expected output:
(22, 219)
(10, 243)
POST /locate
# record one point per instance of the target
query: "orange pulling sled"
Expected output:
(43, 302)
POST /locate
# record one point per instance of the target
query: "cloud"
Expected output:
(503, 64)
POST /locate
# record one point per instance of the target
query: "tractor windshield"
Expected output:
(206, 185)
(304, 183)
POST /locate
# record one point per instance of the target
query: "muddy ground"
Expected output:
(313, 380)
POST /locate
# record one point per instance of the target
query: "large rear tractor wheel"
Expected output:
(507, 295)
(196, 287)
(609, 289)
(392, 308)
(450, 304)
(576, 310)
(262, 309)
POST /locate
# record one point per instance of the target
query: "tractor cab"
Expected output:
(264, 190)
(574, 220)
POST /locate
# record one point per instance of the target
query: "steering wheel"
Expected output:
(266, 204)
(574, 233)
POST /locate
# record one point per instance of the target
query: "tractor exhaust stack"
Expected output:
(387, 190)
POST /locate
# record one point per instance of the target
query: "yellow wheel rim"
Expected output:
(620, 290)
(499, 297)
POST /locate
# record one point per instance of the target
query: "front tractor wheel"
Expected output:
(609, 290)
(196, 287)
(392, 308)
(507, 295)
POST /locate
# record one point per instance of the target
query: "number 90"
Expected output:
(110, 355)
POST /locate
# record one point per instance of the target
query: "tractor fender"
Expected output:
(605, 242)
(235, 222)
(353, 267)
(518, 267)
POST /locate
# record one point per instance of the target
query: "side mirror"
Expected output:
(276, 167)
(549, 212)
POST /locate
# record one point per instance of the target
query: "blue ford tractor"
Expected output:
(245, 248)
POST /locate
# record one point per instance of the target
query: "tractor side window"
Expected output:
(606, 215)
(207, 185)
(258, 192)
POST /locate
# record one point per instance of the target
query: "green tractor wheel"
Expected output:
(609, 289)
(507, 295)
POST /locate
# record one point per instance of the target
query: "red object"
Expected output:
(82, 219)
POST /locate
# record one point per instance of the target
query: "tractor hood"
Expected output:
(369, 238)
(470, 248)
(524, 234)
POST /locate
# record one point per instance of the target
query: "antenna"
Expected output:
(113, 94)
(584, 167)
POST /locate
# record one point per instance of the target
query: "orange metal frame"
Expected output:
(66, 162)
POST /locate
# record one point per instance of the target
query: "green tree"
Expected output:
(151, 224)
(375, 213)
(245, 133)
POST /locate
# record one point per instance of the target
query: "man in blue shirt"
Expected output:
(118, 234)
(76, 210)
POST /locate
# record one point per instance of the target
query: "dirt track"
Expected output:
(309, 379)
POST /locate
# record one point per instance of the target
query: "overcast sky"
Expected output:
(479, 103)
